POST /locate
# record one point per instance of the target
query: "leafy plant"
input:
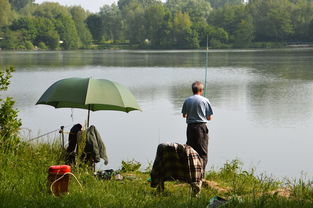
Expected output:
(9, 122)
(130, 166)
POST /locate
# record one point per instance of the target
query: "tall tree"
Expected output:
(133, 14)
(244, 33)
(210, 33)
(6, 14)
(47, 33)
(228, 17)
(221, 3)
(272, 19)
(112, 22)
(183, 35)
(12, 39)
(27, 26)
(156, 24)
(79, 15)
(310, 32)
(144, 3)
(301, 16)
(94, 25)
(19, 4)
(196, 9)
(63, 23)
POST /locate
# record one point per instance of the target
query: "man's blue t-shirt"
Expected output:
(197, 108)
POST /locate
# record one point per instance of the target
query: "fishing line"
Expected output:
(206, 65)
(50, 132)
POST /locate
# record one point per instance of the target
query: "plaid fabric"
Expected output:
(176, 162)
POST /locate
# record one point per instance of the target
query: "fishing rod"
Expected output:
(206, 65)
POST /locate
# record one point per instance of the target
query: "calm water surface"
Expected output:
(262, 102)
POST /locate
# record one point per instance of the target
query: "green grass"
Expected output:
(23, 183)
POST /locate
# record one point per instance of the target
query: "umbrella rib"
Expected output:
(115, 85)
(86, 96)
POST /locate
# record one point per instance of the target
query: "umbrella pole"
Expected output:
(88, 116)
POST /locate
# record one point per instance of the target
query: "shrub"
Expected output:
(9, 122)
(29, 45)
(130, 166)
(42, 45)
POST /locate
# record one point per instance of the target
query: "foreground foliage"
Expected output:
(9, 121)
(23, 183)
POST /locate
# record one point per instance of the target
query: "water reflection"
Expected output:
(287, 63)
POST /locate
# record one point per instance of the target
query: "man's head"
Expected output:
(197, 88)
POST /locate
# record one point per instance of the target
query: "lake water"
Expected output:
(262, 102)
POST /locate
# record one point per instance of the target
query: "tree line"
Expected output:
(174, 24)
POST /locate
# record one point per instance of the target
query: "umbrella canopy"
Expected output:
(91, 94)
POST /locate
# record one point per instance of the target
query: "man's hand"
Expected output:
(185, 115)
(210, 117)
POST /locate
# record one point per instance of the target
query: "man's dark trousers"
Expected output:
(198, 139)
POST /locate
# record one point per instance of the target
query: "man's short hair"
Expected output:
(197, 87)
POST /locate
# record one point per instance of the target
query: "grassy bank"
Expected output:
(23, 183)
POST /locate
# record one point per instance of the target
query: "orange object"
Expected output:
(58, 179)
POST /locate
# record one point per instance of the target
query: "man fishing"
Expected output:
(197, 111)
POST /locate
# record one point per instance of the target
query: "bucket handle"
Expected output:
(69, 173)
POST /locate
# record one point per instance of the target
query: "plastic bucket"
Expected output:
(58, 180)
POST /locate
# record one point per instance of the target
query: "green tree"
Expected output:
(29, 45)
(63, 23)
(19, 4)
(12, 40)
(183, 35)
(301, 16)
(79, 16)
(51, 39)
(50, 10)
(310, 32)
(221, 3)
(95, 26)
(9, 122)
(133, 14)
(196, 9)
(228, 18)
(68, 34)
(244, 33)
(156, 24)
(27, 26)
(272, 19)
(111, 22)
(47, 33)
(144, 3)
(210, 33)
(6, 14)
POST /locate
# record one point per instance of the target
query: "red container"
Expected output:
(55, 172)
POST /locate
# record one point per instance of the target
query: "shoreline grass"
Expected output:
(23, 183)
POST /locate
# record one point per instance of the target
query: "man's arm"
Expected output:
(183, 111)
(209, 112)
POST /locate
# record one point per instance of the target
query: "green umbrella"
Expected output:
(91, 94)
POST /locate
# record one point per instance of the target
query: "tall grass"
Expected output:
(23, 183)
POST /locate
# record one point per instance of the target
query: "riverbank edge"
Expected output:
(254, 45)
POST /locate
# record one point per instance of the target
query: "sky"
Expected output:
(91, 5)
